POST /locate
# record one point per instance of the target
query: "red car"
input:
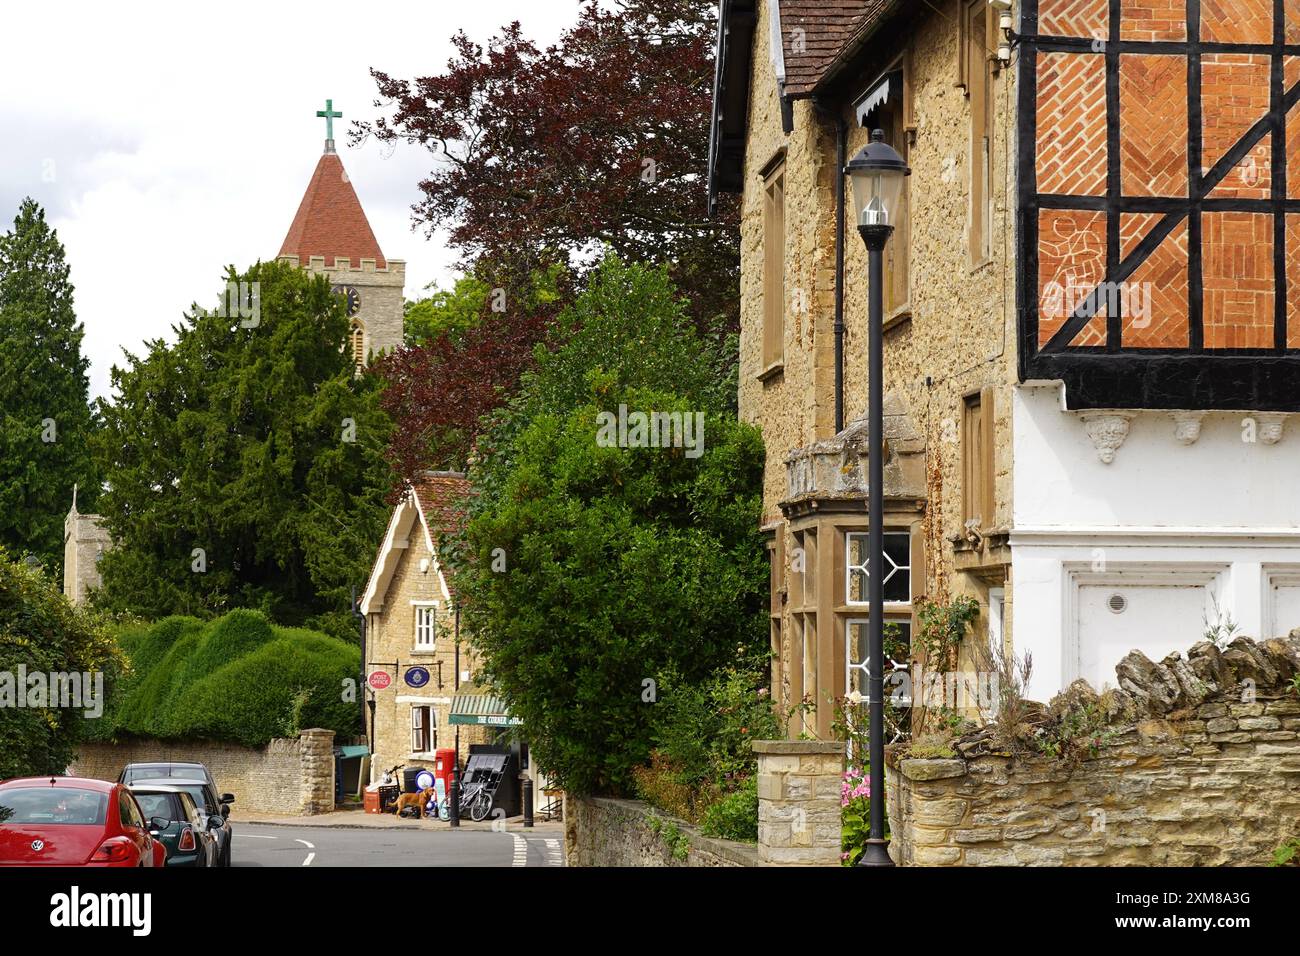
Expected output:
(73, 821)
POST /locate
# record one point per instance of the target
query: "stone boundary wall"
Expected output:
(799, 815)
(289, 776)
(604, 831)
(1199, 765)
(798, 818)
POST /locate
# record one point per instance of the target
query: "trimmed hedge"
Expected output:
(237, 678)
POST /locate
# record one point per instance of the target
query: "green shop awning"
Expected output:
(473, 705)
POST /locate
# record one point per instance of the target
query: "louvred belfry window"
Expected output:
(357, 343)
(1159, 206)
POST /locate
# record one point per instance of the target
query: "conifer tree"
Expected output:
(45, 420)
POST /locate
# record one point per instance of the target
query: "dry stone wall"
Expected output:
(603, 831)
(1197, 764)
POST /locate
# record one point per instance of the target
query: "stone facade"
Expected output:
(602, 831)
(287, 777)
(1199, 765)
(381, 290)
(799, 802)
(84, 540)
(953, 337)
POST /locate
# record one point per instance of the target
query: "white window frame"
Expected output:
(418, 726)
(850, 665)
(427, 629)
(849, 568)
(997, 614)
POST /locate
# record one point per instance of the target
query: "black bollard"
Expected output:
(453, 798)
(528, 801)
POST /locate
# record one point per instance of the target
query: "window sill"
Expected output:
(775, 370)
(424, 652)
(981, 265)
(900, 316)
(899, 608)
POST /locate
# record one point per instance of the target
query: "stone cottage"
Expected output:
(413, 634)
(1091, 338)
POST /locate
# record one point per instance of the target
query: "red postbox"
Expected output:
(444, 766)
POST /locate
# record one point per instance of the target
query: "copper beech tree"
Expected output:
(601, 139)
(546, 156)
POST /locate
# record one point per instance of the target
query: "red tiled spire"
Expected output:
(330, 221)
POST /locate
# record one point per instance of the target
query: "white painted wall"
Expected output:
(1190, 535)
(1220, 481)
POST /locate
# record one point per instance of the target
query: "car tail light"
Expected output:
(187, 840)
(114, 850)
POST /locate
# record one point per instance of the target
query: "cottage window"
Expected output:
(898, 645)
(426, 623)
(978, 65)
(898, 569)
(424, 737)
(887, 106)
(774, 267)
(977, 459)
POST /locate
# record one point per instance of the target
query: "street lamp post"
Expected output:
(877, 173)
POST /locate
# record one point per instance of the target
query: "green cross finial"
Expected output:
(329, 115)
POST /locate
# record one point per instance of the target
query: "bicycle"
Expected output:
(390, 779)
(476, 801)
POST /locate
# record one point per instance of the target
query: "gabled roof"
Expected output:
(433, 504)
(330, 221)
(818, 39)
(441, 494)
(813, 32)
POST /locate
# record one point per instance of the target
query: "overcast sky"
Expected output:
(168, 140)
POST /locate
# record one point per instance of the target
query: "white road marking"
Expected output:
(521, 851)
(305, 843)
(255, 836)
(310, 857)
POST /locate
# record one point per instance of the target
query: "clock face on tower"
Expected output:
(351, 295)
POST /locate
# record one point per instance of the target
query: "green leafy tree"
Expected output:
(45, 419)
(450, 312)
(243, 463)
(588, 569)
(41, 631)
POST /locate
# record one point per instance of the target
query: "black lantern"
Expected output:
(877, 173)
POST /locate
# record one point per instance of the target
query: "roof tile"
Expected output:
(330, 221)
(827, 26)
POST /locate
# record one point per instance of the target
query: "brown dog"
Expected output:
(418, 800)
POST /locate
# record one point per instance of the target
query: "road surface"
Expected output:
(258, 844)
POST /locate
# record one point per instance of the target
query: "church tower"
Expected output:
(85, 539)
(331, 235)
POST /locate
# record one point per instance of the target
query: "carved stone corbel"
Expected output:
(1107, 431)
(1270, 427)
(1187, 426)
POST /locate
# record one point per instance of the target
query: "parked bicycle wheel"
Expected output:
(479, 806)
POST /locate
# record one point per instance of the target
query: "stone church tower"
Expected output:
(331, 235)
(84, 540)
